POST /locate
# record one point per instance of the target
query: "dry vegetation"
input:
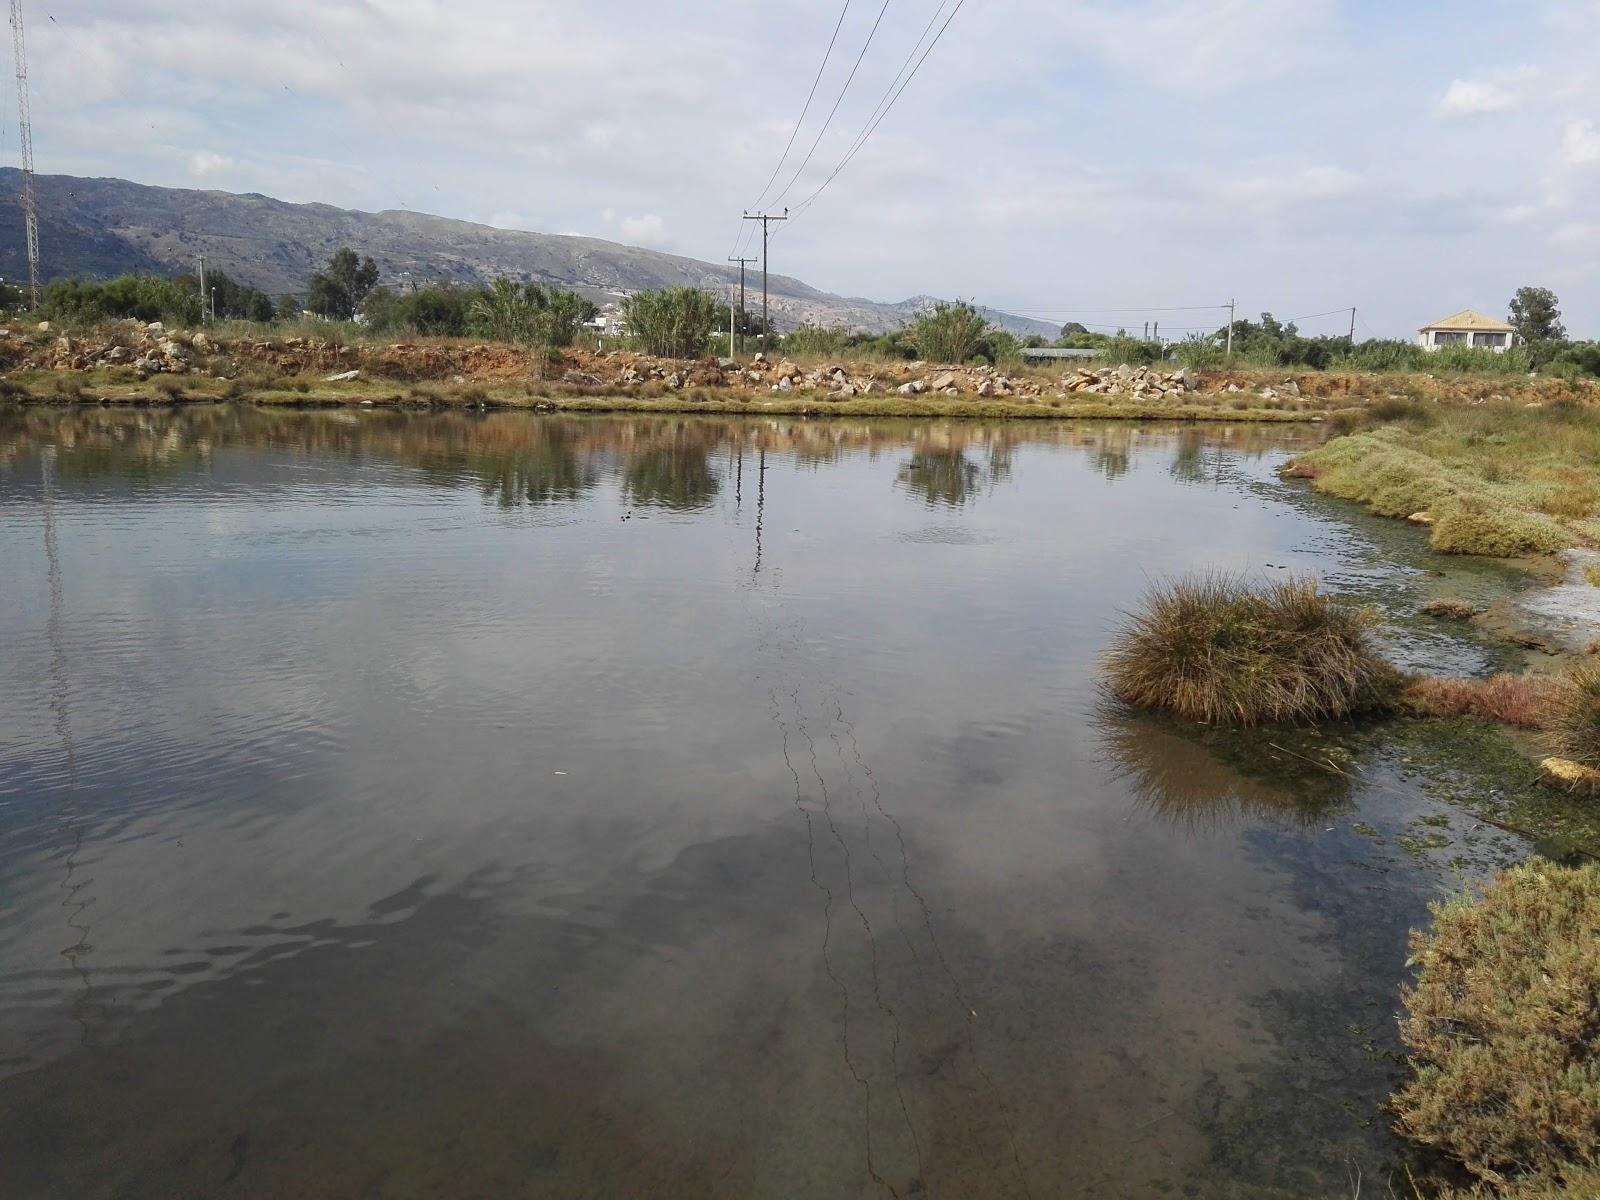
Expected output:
(1572, 716)
(1514, 700)
(1216, 649)
(1503, 1026)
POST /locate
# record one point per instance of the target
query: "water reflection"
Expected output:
(679, 463)
(1184, 776)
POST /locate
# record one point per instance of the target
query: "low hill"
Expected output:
(103, 227)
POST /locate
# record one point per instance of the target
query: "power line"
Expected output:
(1148, 309)
(1332, 312)
(873, 123)
(795, 132)
(867, 45)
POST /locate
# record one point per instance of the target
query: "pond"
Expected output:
(420, 805)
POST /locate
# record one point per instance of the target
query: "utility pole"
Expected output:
(1155, 334)
(1352, 327)
(766, 321)
(741, 262)
(30, 207)
(1231, 306)
(202, 289)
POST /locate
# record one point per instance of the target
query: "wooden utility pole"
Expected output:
(1231, 305)
(202, 289)
(766, 320)
(1352, 327)
(741, 262)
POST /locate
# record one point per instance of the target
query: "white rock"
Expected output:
(342, 377)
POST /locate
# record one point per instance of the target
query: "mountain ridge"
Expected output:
(98, 227)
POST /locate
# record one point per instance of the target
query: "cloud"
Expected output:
(204, 165)
(1467, 97)
(647, 230)
(1580, 144)
(1499, 91)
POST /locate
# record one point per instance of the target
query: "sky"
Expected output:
(1089, 160)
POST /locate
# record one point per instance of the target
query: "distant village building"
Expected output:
(609, 321)
(1468, 328)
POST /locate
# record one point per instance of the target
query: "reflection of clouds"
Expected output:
(1178, 779)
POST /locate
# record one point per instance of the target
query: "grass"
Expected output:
(1496, 479)
(1514, 700)
(1572, 720)
(1503, 1026)
(1212, 648)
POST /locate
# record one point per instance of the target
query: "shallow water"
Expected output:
(405, 805)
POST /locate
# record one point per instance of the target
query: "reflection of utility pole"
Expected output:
(78, 951)
(766, 320)
(761, 500)
(741, 262)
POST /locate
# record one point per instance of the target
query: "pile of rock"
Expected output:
(149, 349)
(1142, 383)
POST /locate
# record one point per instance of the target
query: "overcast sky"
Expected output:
(1058, 157)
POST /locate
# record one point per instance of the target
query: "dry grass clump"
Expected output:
(1503, 1026)
(1507, 699)
(1450, 610)
(1213, 648)
(1572, 716)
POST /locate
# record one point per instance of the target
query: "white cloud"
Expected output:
(205, 164)
(1580, 144)
(1499, 91)
(1467, 97)
(647, 230)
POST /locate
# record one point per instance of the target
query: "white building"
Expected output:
(1468, 328)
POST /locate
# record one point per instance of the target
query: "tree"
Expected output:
(672, 322)
(1536, 315)
(338, 289)
(1071, 328)
(288, 308)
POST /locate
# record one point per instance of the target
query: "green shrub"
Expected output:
(1472, 525)
(1214, 649)
(813, 339)
(673, 322)
(949, 333)
(1503, 1026)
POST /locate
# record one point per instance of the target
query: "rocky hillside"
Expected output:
(102, 227)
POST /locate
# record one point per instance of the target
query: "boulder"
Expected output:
(785, 384)
(201, 343)
(943, 382)
(119, 354)
(341, 377)
(986, 388)
(726, 364)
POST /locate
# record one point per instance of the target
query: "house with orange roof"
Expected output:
(1468, 328)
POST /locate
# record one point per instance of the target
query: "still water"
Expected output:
(417, 805)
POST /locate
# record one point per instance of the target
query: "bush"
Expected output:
(1469, 525)
(1503, 1026)
(1214, 649)
(1573, 716)
(949, 333)
(813, 339)
(673, 322)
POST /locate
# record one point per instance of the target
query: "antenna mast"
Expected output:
(30, 208)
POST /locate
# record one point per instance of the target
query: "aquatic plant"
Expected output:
(1450, 610)
(1503, 1026)
(1572, 717)
(1213, 648)
(1506, 699)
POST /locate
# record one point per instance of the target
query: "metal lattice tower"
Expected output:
(30, 207)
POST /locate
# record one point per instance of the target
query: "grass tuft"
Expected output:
(1450, 610)
(1503, 1026)
(1572, 718)
(1507, 699)
(1212, 648)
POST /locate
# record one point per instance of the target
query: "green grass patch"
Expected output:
(1498, 480)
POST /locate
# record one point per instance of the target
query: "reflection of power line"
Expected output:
(78, 951)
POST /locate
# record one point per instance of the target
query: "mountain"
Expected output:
(104, 227)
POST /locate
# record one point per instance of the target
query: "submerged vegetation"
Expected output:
(1213, 648)
(1503, 1026)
